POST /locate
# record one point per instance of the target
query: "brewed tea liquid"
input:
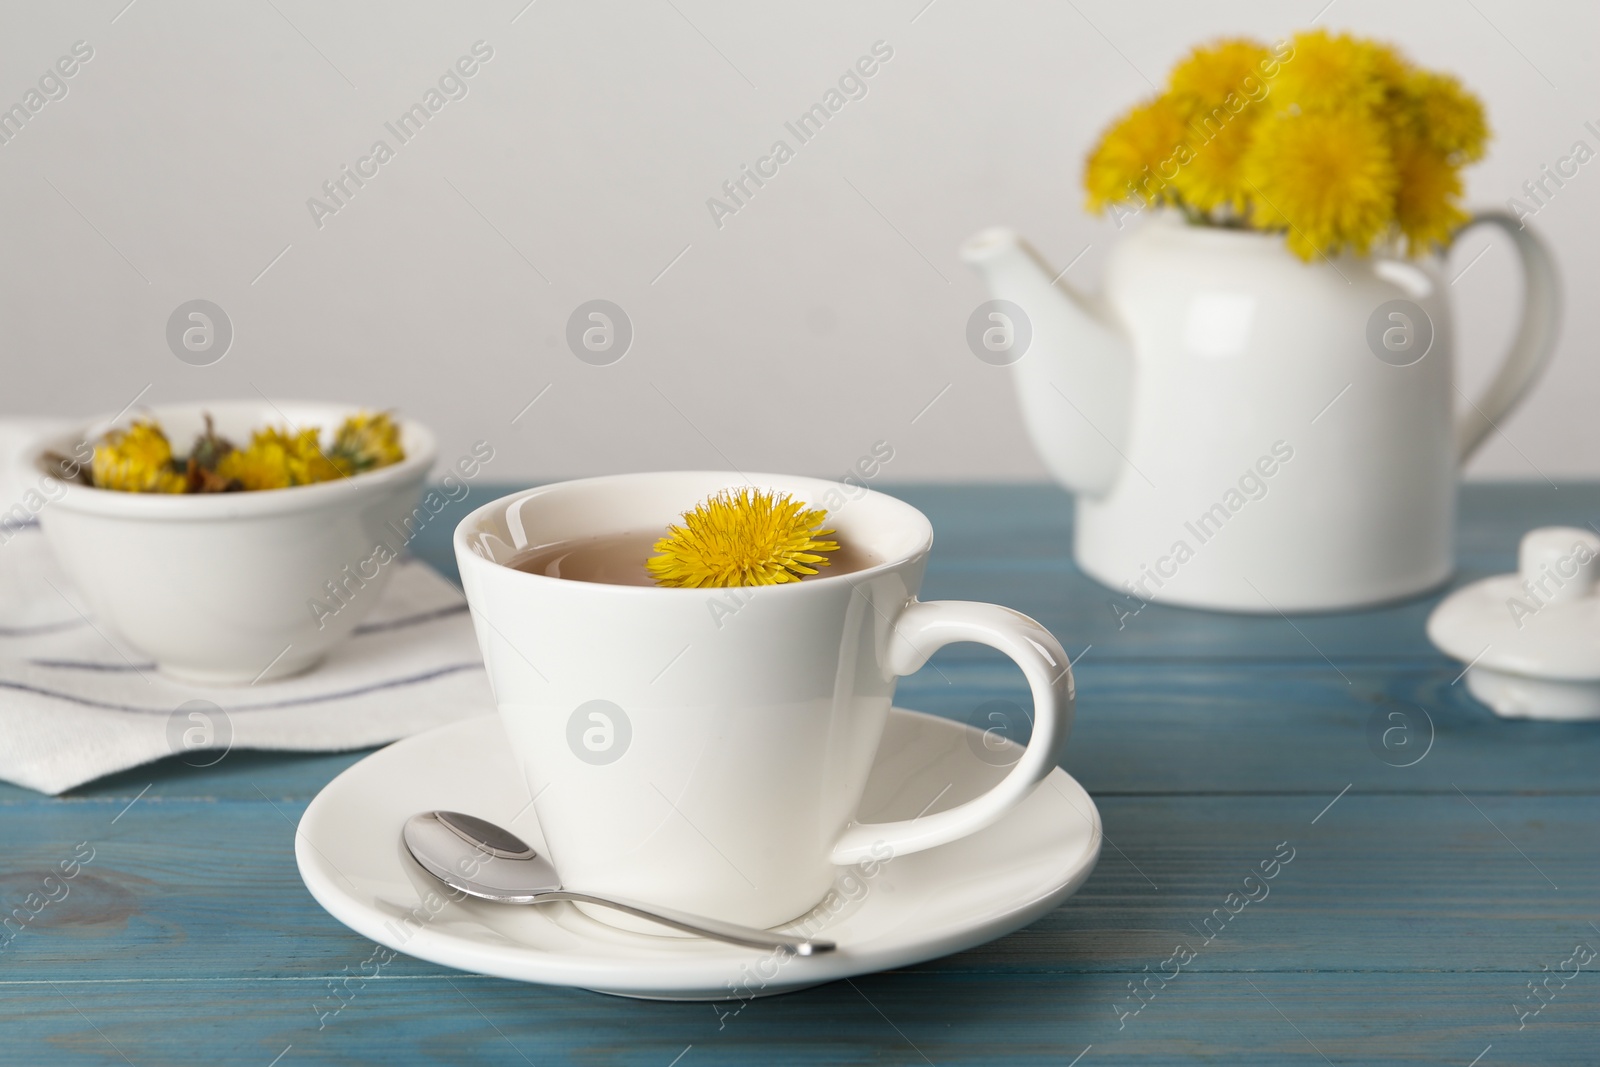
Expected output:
(618, 559)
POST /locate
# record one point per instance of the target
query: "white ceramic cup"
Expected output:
(707, 749)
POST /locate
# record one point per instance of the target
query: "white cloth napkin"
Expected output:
(77, 704)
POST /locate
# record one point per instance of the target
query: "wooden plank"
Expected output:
(186, 889)
(1278, 728)
(1258, 1019)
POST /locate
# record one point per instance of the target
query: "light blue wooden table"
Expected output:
(1420, 903)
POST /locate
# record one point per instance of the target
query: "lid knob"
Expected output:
(1559, 563)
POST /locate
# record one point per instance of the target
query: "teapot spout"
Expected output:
(1075, 377)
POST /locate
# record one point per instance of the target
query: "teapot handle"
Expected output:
(1535, 339)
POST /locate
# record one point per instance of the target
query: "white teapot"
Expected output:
(1245, 431)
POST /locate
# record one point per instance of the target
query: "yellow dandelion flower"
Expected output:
(136, 460)
(1331, 73)
(308, 463)
(263, 465)
(1215, 177)
(1327, 178)
(742, 537)
(1210, 75)
(1388, 65)
(366, 442)
(277, 459)
(1218, 90)
(254, 468)
(1427, 204)
(1137, 156)
(1442, 113)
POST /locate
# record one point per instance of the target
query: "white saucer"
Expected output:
(911, 909)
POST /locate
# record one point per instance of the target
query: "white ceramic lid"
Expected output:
(1542, 622)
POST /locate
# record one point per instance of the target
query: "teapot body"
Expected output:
(1289, 443)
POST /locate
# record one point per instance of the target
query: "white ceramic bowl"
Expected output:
(221, 589)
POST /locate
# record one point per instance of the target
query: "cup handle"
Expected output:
(921, 630)
(1535, 340)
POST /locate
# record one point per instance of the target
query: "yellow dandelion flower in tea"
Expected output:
(1137, 156)
(1331, 73)
(136, 460)
(742, 537)
(1327, 179)
(1427, 203)
(366, 442)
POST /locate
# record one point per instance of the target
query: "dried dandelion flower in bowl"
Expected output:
(140, 459)
(137, 460)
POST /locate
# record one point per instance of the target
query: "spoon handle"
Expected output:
(716, 929)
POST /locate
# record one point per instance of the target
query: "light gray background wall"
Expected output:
(823, 317)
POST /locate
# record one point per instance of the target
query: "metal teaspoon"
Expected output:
(476, 857)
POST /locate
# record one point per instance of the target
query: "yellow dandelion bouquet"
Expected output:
(1336, 142)
(140, 458)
